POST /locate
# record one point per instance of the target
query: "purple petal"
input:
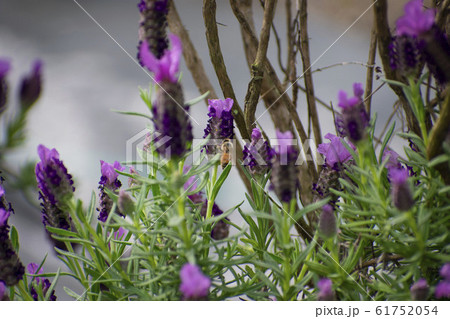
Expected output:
(5, 66)
(4, 215)
(2, 191)
(445, 271)
(398, 175)
(256, 134)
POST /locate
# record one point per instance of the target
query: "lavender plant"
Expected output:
(365, 224)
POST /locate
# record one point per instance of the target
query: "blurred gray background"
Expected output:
(86, 74)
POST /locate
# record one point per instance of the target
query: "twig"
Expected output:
(370, 70)
(438, 135)
(306, 60)
(254, 87)
(376, 261)
(215, 53)
(384, 38)
(191, 57)
(195, 66)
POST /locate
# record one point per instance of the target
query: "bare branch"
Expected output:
(254, 87)
(215, 53)
(370, 70)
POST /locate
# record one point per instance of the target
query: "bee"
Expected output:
(226, 148)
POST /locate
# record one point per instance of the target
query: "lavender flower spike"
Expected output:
(166, 67)
(415, 21)
(325, 291)
(11, 268)
(3, 295)
(109, 180)
(354, 119)
(420, 290)
(153, 25)
(258, 154)
(53, 180)
(4, 69)
(32, 269)
(31, 86)
(284, 171)
(335, 152)
(220, 124)
(56, 190)
(194, 284)
(401, 192)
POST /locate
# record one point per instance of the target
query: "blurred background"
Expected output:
(88, 73)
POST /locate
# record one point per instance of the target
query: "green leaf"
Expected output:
(221, 180)
(197, 99)
(14, 235)
(133, 114)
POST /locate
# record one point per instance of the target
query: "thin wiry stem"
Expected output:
(370, 70)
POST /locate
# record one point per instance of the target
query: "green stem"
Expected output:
(210, 195)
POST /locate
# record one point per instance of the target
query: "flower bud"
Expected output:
(109, 180)
(401, 192)
(125, 203)
(327, 222)
(31, 86)
(284, 175)
(420, 290)
(194, 284)
(4, 69)
(325, 291)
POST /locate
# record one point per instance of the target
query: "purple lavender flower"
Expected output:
(284, 175)
(258, 154)
(435, 47)
(325, 290)
(11, 268)
(443, 290)
(420, 290)
(5, 66)
(220, 124)
(445, 271)
(109, 180)
(392, 161)
(56, 190)
(153, 26)
(53, 180)
(327, 222)
(405, 55)
(221, 228)
(170, 115)
(354, 119)
(401, 192)
(166, 67)
(335, 152)
(32, 269)
(3, 295)
(415, 21)
(194, 284)
(31, 86)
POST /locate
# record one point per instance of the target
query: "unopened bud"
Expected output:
(125, 203)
